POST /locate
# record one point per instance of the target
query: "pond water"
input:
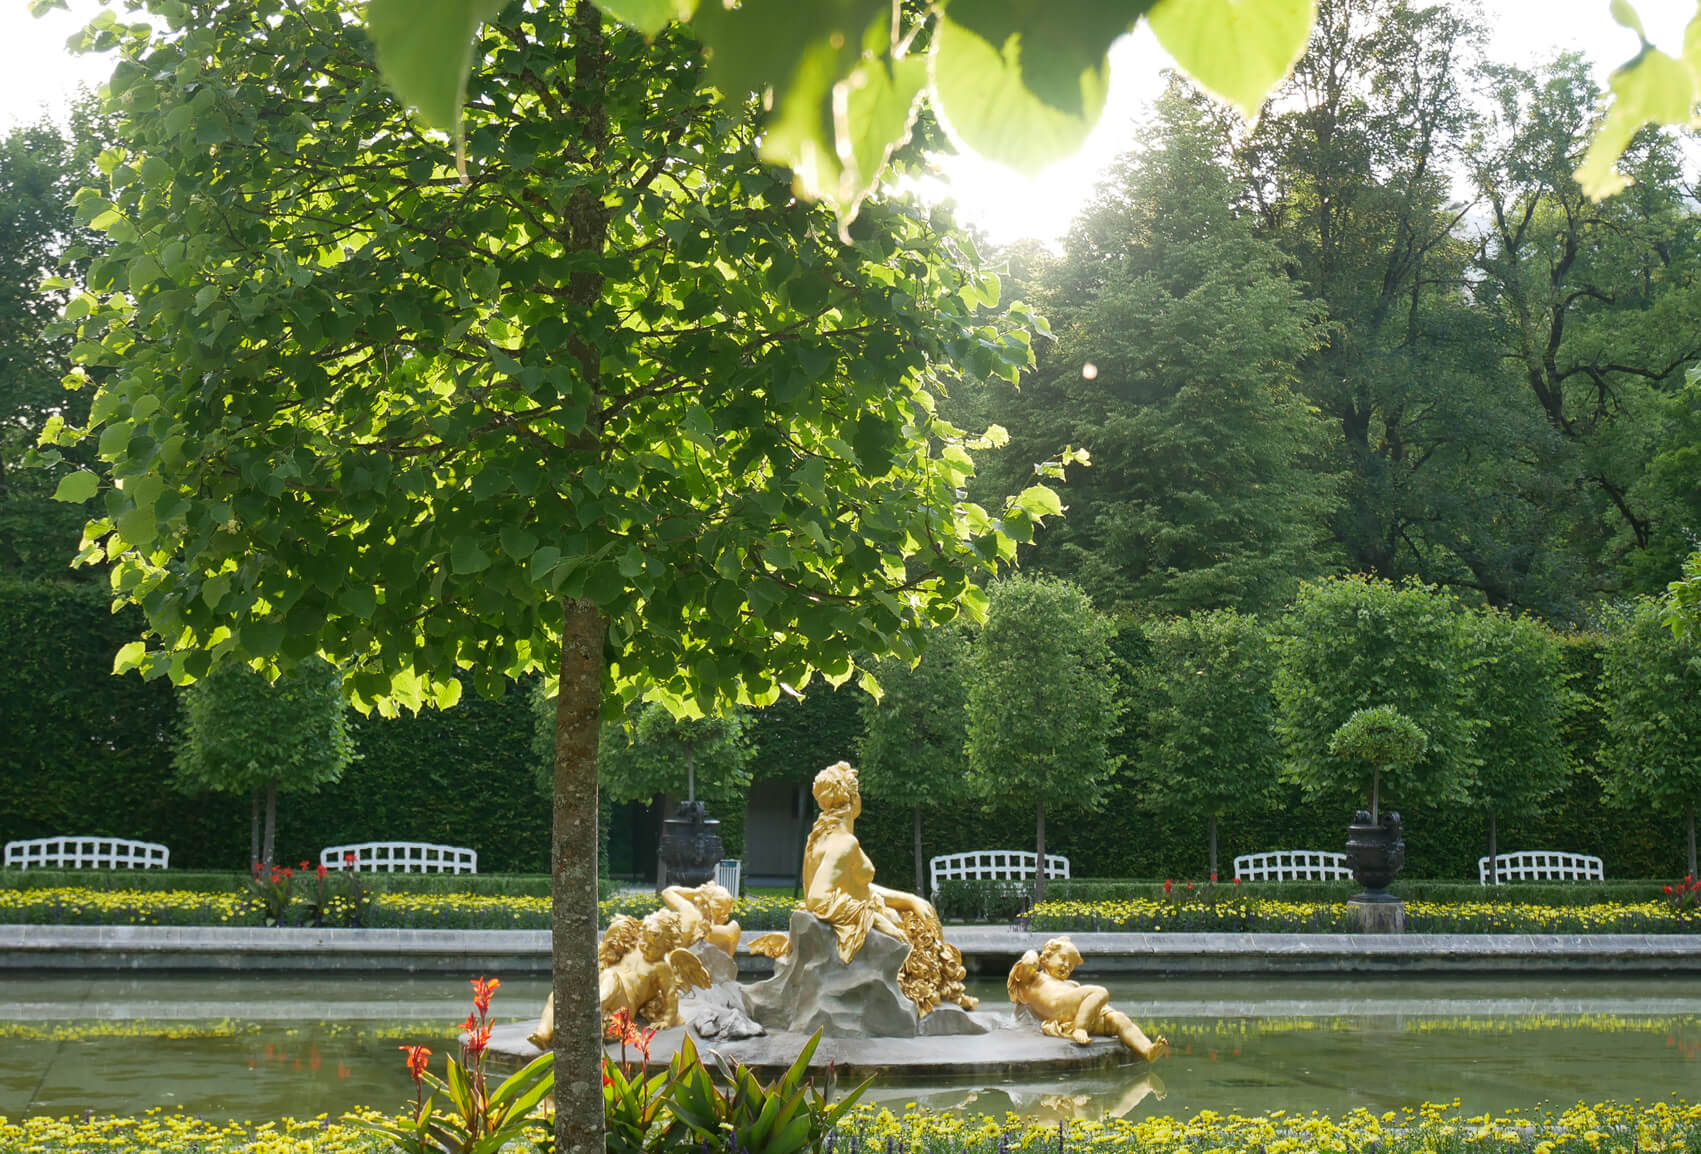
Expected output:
(255, 1047)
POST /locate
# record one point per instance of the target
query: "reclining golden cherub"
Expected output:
(643, 969)
(1067, 1009)
(705, 915)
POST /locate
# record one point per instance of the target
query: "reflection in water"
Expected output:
(252, 1047)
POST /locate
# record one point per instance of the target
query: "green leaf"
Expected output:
(1239, 49)
(648, 16)
(1039, 501)
(1625, 14)
(466, 557)
(518, 543)
(129, 657)
(879, 111)
(1024, 84)
(1653, 88)
(77, 487)
(425, 51)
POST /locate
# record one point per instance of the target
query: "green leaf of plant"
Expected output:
(1653, 88)
(1625, 14)
(1238, 49)
(648, 16)
(882, 97)
(425, 51)
(1024, 84)
(466, 557)
(1039, 501)
(77, 487)
(129, 657)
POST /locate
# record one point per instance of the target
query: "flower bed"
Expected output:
(79, 906)
(1240, 914)
(1664, 1127)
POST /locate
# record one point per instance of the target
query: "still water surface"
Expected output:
(255, 1047)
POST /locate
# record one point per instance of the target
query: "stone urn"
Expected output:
(1375, 851)
(691, 845)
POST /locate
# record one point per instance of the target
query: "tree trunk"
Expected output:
(573, 863)
(268, 847)
(253, 828)
(1691, 820)
(1213, 847)
(690, 776)
(918, 878)
(1039, 850)
(584, 632)
(1493, 851)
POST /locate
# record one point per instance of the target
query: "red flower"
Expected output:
(471, 1023)
(304, 867)
(1668, 889)
(1168, 885)
(618, 1024)
(321, 872)
(476, 1041)
(1236, 881)
(418, 1058)
(1213, 879)
(482, 991)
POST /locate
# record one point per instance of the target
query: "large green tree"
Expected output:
(244, 734)
(913, 735)
(616, 406)
(1043, 702)
(1178, 337)
(1651, 680)
(41, 167)
(1210, 738)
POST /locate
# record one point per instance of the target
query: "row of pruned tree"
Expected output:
(1225, 707)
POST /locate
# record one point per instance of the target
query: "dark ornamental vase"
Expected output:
(691, 845)
(1375, 852)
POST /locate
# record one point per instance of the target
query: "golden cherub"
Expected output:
(705, 914)
(838, 888)
(643, 968)
(1066, 1008)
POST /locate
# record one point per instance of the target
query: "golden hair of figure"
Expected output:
(838, 888)
(1067, 1009)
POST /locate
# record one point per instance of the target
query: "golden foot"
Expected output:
(1160, 1047)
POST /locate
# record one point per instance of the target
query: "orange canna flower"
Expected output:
(418, 1058)
(481, 992)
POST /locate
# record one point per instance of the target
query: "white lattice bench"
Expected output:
(994, 864)
(1543, 865)
(1293, 865)
(400, 857)
(71, 852)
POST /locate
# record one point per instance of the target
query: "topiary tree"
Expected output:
(244, 734)
(1355, 644)
(1651, 681)
(653, 752)
(1042, 702)
(912, 747)
(1372, 742)
(1519, 700)
(1210, 730)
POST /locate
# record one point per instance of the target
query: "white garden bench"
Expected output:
(400, 856)
(1543, 865)
(71, 852)
(1293, 865)
(994, 864)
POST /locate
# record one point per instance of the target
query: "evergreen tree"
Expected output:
(1177, 337)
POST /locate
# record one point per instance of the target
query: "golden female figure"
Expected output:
(1066, 1008)
(838, 888)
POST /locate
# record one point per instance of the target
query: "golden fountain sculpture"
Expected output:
(705, 914)
(643, 969)
(838, 888)
(1067, 1009)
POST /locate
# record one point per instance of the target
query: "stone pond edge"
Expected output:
(987, 950)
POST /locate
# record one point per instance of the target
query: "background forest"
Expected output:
(1382, 332)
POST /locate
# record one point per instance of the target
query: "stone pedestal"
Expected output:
(1377, 914)
(813, 990)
